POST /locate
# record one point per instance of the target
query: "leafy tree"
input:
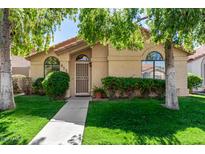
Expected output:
(122, 28)
(22, 31)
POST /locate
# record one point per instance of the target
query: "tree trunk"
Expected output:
(6, 87)
(170, 76)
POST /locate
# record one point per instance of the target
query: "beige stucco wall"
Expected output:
(37, 63)
(128, 63)
(107, 61)
(181, 72)
(99, 64)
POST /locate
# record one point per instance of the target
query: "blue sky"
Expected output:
(67, 30)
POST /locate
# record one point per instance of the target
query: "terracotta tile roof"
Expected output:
(199, 52)
(57, 46)
(69, 45)
(74, 41)
(66, 42)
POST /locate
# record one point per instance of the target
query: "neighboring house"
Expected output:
(88, 65)
(20, 65)
(196, 63)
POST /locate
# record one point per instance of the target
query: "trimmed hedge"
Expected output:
(55, 84)
(127, 86)
(194, 81)
(100, 90)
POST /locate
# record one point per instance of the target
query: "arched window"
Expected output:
(82, 58)
(51, 64)
(153, 66)
(154, 55)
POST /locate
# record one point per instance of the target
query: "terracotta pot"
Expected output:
(98, 95)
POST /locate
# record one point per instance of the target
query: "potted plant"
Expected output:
(99, 92)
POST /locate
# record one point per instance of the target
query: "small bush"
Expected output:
(99, 90)
(129, 85)
(38, 87)
(55, 84)
(194, 81)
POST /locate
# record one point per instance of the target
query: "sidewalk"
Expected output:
(67, 125)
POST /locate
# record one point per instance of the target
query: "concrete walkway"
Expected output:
(67, 125)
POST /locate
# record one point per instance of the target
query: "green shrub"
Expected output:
(111, 84)
(38, 87)
(99, 90)
(129, 85)
(194, 81)
(55, 84)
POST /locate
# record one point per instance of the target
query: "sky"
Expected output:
(67, 30)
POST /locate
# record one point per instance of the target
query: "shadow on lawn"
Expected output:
(40, 106)
(28, 109)
(7, 137)
(147, 119)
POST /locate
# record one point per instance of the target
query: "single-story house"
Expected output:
(20, 65)
(87, 65)
(196, 63)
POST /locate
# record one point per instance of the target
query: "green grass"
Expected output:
(19, 126)
(145, 121)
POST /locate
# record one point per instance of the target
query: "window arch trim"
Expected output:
(82, 57)
(54, 66)
(160, 57)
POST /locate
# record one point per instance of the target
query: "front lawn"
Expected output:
(19, 126)
(145, 121)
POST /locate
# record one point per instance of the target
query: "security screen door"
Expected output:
(82, 78)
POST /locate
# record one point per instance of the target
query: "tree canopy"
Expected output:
(184, 27)
(122, 27)
(33, 29)
(113, 26)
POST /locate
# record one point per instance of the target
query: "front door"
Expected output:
(82, 78)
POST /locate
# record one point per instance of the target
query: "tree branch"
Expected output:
(141, 19)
